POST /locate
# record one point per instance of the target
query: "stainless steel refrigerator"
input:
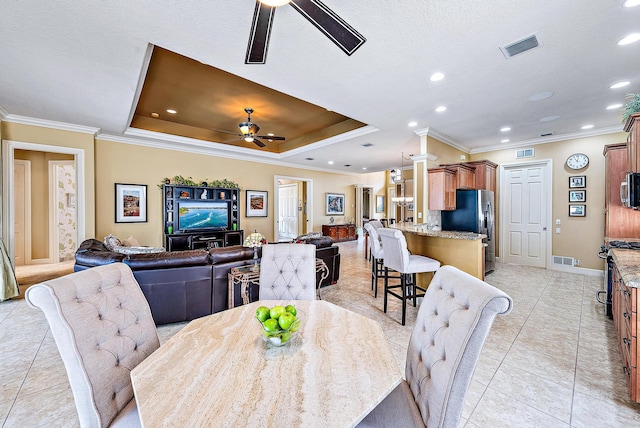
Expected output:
(475, 213)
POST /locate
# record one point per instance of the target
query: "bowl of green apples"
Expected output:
(279, 324)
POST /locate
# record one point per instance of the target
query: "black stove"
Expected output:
(605, 253)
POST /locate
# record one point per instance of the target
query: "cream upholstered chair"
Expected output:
(103, 328)
(452, 325)
(377, 256)
(397, 258)
(288, 271)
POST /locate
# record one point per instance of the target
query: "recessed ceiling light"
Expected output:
(550, 118)
(412, 124)
(172, 111)
(631, 38)
(620, 84)
(631, 3)
(540, 96)
(330, 162)
(436, 77)
(441, 109)
(271, 134)
(506, 140)
(364, 167)
(505, 129)
(154, 114)
(614, 106)
(587, 127)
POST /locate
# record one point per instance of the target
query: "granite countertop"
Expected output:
(450, 234)
(628, 263)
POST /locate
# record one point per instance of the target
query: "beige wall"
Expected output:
(580, 237)
(125, 163)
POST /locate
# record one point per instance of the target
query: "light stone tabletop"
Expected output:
(217, 371)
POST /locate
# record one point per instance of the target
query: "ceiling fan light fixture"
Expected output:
(275, 3)
(248, 139)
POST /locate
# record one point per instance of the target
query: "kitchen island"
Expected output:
(463, 250)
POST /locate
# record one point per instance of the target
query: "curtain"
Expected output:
(7, 276)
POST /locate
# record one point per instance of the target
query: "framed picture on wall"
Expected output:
(577, 210)
(335, 203)
(256, 203)
(577, 195)
(379, 203)
(131, 203)
(577, 181)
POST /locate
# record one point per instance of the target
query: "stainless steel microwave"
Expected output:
(630, 190)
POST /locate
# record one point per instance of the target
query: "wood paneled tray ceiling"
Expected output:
(208, 99)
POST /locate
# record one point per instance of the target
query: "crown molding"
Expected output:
(44, 123)
(551, 139)
(191, 145)
(3, 113)
(428, 156)
(365, 130)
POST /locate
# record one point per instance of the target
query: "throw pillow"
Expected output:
(312, 235)
(131, 242)
(111, 242)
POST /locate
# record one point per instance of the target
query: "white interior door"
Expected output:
(525, 212)
(22, 211)
(288, 211)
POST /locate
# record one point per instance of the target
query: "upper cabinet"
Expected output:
(465, 175)
(619, 222)
(485, 174)
(444, 181)
(442, 189)
(632, 126)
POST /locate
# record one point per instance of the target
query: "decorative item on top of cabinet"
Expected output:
(465, 175)
(632, 126)
(485, 174)
(442, 189)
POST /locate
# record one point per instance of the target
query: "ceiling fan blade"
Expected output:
(271, 137)
(260, 33)
(225, 132)
(334, 27)
(259, 143)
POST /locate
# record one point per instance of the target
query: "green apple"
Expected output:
(285, 336)
(271, 325)
(277, 311)
(262, 313)
(286, 320)
(291, 309)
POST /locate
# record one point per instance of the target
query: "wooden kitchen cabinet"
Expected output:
(632, 126)
(442, 189)
(464, 173)
(485, 174)
(625, 317)
(340, 232)
(619, 222)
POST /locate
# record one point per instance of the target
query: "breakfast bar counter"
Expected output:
(217, 371)
(463, 250)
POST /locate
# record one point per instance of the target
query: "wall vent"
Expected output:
(525, 153)
(546, 134)
(520, 46)
(563, 261)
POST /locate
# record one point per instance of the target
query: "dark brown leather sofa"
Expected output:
(184, 285)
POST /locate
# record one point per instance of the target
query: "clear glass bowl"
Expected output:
(281, 337)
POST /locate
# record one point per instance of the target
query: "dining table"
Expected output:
(218, 371)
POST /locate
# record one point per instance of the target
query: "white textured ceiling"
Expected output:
(81, 63)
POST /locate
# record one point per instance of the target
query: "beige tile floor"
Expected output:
(552, 362)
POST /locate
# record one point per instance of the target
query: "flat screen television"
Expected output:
(195, 215)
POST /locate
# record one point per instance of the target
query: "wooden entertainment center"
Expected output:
(200, 229)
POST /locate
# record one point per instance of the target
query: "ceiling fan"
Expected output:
(323, 18)
(249, 132)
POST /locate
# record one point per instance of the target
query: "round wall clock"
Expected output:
(577, 161)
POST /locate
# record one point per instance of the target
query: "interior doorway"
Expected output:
(9, 149)
(302, 206)
(22, 210)
(525, 213)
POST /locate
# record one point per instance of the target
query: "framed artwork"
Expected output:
(379, 203)
(335, 203)
(577, 210)
(410, 206)
(256, 203)
(577, 181)
(131, 203)
(577, 195)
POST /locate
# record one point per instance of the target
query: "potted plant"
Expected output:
(631, 107)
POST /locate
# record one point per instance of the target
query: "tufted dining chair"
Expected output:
(103, 328)
(398, 259)
(288, 271)
(452, 325)
(377, 256)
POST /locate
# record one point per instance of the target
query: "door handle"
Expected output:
(544, 229)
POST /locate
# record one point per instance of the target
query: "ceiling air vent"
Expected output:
(520, 46)
(525, 153)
